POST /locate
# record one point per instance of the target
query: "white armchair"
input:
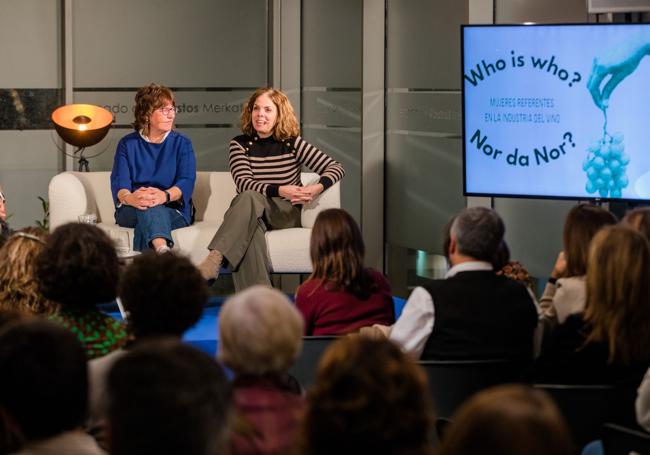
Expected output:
(75, 193)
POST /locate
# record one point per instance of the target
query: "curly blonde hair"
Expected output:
(148, 99)
(286, 125)
(18, 286)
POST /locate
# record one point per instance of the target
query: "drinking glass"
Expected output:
(122, 242)
(88, 218)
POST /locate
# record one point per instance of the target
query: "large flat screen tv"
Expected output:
(556, 111)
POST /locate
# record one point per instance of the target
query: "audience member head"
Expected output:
(9, 316)
(147, 100)
(43, 385)
(18, 284)
(639, 219)
(582, 222)
(337, 252)
(502, 257)
(167, 397)
(515, 270)
(164, 294)
(260, 332)
(508, 420)
(370, 395)
(476, 233)
(618, 293)
(78, 266)
(286, 123)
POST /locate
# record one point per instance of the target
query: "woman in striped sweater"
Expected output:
(265, 163)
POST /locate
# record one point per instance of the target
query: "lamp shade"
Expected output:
(82, 125)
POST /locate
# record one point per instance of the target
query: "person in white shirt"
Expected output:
(472, 313)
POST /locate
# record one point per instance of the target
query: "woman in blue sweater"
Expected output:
(153, 172)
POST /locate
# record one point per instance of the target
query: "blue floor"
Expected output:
(205, 333)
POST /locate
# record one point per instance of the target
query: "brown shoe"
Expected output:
(211, 265)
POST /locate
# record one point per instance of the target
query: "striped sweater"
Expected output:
(263, 165)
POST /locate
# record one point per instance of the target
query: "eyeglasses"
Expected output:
(167, 110)
(2, 197)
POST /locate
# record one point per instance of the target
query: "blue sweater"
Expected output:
(140, 163)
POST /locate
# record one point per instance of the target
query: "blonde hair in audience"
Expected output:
(18, 286)
(639, 219)
(260, 332)
(618, 293)
(286, 125)
(506, 420)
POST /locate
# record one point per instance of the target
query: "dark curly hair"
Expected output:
(164, 294)
(148, 99)
(369, 394)
(78, 266)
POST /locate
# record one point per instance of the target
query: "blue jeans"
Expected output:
(155, 222)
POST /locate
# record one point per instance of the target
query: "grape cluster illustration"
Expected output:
(605, 166)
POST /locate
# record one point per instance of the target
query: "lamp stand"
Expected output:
(83, 161)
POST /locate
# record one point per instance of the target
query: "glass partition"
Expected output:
(211, 53)
(423, 127)
(331, 87)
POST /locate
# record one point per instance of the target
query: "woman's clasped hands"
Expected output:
(300, 194)
(146, 197)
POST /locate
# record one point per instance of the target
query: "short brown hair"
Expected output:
(506, 420)
(148, 99)
(337, 250)
(371, 395)
(286, 125)
(618, 293)
(581, 224)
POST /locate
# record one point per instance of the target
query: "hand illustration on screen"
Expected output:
(618, 62)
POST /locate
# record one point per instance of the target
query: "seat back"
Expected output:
(305, 366)
(587, 408)
(453, 381)
(619, 440)
(212, 194)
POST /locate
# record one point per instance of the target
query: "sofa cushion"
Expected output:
(289, 250)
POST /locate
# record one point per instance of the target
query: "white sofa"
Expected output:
(75, 193)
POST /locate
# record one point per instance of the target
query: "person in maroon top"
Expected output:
(341, 295)
(260, 338)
